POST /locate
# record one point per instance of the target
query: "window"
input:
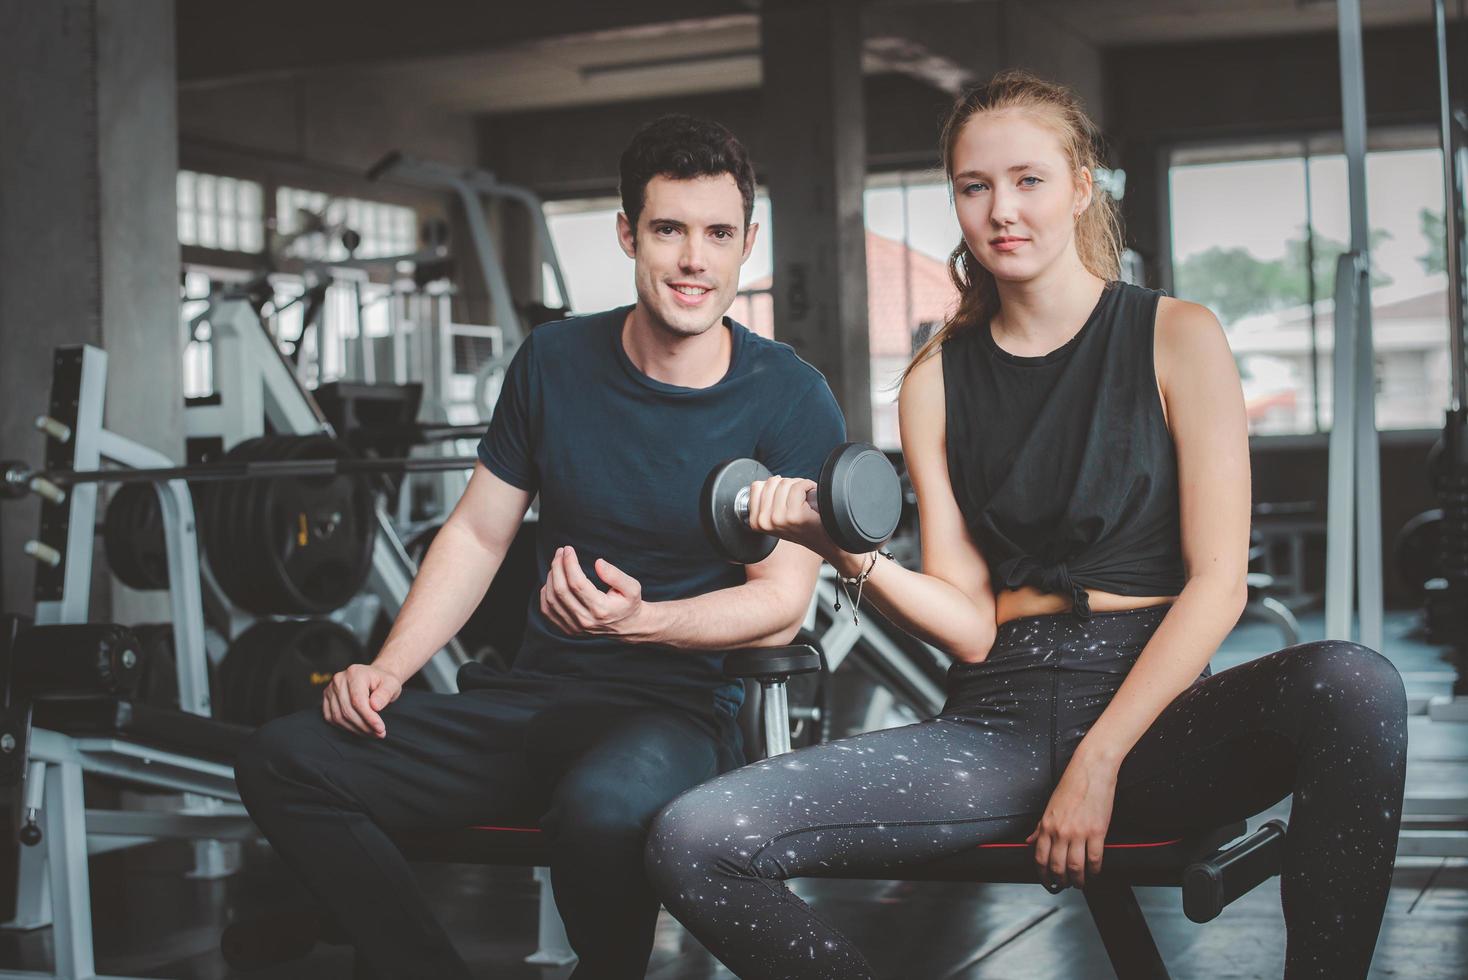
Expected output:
(332, 349)
(1255, 235)
(384, 229)
(220, 212)
(911, 229)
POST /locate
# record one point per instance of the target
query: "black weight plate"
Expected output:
(224, 697)
(220, 690)
(319, 531)
(727, 531)
(859, 496)
(158, 677)
(231, 671)
(220, 529)
(250, 504)
(271, 649)
(117, 533)
(258, 652)
(132, 536)
(1418, 551)
(210, 498)
(238, 671)
(309, 653)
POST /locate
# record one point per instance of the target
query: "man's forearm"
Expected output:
(760, 613)
(450, 584)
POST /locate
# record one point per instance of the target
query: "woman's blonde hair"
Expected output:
(1098, 228)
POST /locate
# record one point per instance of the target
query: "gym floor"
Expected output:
(151, 920)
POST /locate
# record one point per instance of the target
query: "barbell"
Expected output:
(301, 545)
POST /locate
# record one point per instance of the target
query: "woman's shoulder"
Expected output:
(1182, 324)
(920, 400)
(924, 378)
(1188, 337)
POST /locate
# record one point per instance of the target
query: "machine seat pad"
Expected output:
(178, 731)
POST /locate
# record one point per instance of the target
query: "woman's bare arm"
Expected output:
(1205, 413)
(949, 603)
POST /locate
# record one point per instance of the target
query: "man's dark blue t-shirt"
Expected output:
(619, 460)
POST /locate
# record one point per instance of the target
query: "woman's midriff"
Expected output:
(1030, 601)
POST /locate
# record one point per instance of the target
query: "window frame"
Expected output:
(1305, 145)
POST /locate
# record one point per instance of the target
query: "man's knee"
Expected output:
(286, 751)
(601, 819)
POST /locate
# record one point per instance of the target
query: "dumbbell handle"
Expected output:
(741, 503)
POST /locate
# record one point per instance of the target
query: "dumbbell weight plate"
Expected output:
(726, 529)
(859, 496)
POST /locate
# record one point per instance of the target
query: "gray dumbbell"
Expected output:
(858, 496)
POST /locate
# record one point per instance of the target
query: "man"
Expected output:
(616, 702)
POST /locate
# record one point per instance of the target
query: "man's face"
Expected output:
(687, 249)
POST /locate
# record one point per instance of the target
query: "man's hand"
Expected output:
(579, 608)
(355, 696)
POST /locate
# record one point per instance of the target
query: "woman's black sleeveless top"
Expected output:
(1062, 465)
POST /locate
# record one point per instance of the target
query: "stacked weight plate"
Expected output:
(276, 668)
(289, 545)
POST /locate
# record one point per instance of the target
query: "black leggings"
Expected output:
(1325, 720)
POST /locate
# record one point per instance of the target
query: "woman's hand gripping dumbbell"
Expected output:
(854, 506)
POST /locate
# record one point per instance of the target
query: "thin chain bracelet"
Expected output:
(859, 581)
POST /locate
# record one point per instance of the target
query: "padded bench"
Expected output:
(1209, 873)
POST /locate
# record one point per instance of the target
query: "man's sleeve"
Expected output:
(508, 447)
(800, 444)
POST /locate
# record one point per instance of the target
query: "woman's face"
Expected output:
(1014, 192)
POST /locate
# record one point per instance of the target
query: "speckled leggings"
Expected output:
(1326, 721)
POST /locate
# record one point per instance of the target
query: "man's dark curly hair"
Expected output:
(682, 147)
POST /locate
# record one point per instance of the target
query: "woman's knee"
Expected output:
(695, 835)
(1350, 679)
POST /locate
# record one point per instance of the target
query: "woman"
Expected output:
(1078, 447)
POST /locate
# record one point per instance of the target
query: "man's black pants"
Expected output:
(591, 775)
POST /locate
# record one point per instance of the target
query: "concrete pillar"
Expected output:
(1145, 209)
(815, 165)
(88, 229)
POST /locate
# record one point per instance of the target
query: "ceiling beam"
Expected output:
(225, 41)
